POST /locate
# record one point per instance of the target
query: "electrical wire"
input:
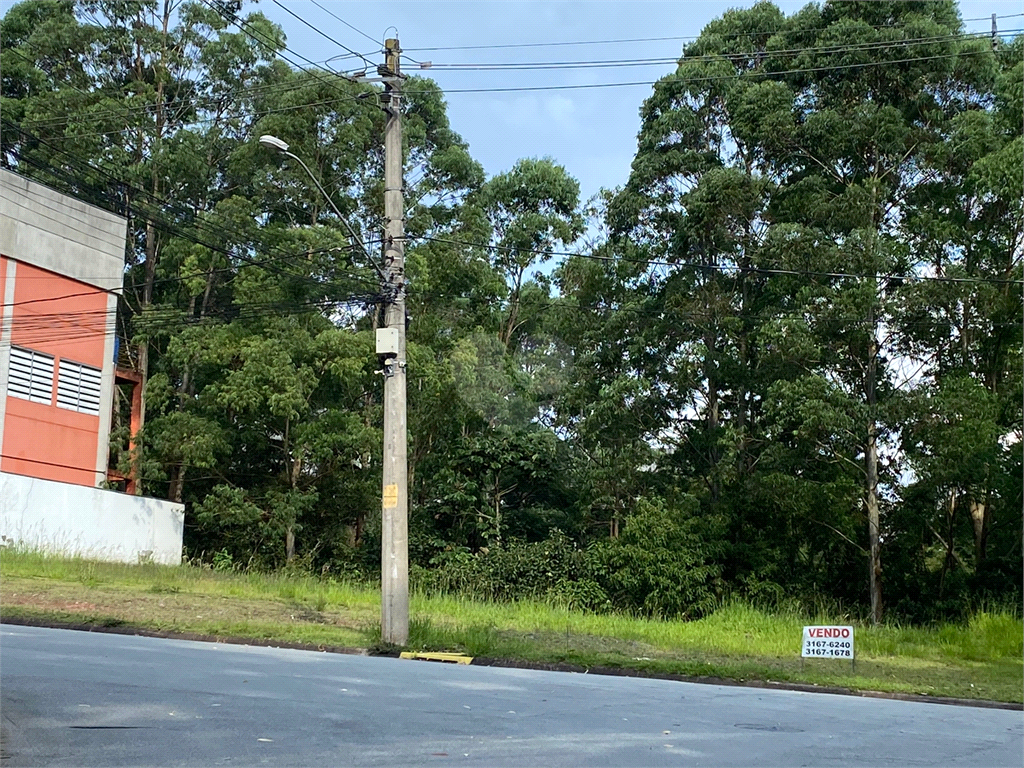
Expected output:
(722, 267)
(91, 470)
(562, 43)
(684, 79)
(760, 33)
(83, 325)
(254, 116)
(609, 63)
(702, 317)
(198, 104)
(760, 55)
(73, 328)
(181, 278)
(320, 32)
(234, 19)
(354, 29)
(218, 230)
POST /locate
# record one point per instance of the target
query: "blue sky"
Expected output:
(591, 132)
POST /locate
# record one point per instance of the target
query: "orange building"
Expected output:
(61, 269)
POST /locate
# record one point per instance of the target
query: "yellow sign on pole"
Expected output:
(390, 496)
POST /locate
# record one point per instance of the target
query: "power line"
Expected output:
(760, 55)
(198, 104)
(354, 29)
(190, 123)
(722, 267)
(91, 470)
(322, 33)
(710, 78)
(556, 65)
(217, 230)
(234, 19)
(75, 328)
(183, 278)
(562, 43)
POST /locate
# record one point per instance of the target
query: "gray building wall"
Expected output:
(54, 231)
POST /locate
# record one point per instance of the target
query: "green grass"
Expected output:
(981, 658)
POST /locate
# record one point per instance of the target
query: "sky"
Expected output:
(592, 132)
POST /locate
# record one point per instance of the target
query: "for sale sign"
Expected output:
(828, 642)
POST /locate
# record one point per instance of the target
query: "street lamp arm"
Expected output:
(344, 221)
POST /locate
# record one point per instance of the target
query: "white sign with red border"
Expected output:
(828, 643)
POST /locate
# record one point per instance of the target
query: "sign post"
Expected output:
(828, 642)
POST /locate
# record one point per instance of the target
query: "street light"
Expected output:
(272, 142)
(280, 145)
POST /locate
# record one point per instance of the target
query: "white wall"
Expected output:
(91, 522)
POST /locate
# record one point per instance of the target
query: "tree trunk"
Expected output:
(950, 559)
(497, 520)
(871, 479)
(142, 353)
(979, 519)
(177, 484)
(289, 543)
(714, 454)
(289, 536)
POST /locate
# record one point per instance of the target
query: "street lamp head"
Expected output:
(272, 142)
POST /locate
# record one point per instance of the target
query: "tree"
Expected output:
(776, 174)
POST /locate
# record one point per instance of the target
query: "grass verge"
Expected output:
(981, 659)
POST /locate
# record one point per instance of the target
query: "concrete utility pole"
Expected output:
(394, 576)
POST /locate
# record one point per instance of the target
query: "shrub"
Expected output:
(517, 571)
(660, 565)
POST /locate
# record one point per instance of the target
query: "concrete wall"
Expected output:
(91, 522)
(59, 233)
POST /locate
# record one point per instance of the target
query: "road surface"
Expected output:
(90, 699)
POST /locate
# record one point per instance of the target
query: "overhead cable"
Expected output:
(760, 55)
(759, 33)
(320, 32)
(217, 230)
(729, 268)
(354, 29)
(710, 78)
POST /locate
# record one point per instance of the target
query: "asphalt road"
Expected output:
(85, 699)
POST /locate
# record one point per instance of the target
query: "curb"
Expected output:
(126, 629)
(483, 661)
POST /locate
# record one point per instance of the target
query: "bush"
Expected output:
(660, 565)
(517, 571)
(583, 595)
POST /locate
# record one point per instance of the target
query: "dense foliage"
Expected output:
(784, 361)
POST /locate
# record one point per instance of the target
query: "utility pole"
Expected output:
(394, 566)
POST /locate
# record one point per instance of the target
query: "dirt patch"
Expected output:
(177, 612)
(43, 602)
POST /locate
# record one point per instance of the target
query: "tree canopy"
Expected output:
(784, 359)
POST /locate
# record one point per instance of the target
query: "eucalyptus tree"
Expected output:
(767, 206)
(966, 225)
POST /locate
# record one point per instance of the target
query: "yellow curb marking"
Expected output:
(451, 658)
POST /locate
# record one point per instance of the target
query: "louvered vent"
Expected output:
(30, 375)
(78, 387)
